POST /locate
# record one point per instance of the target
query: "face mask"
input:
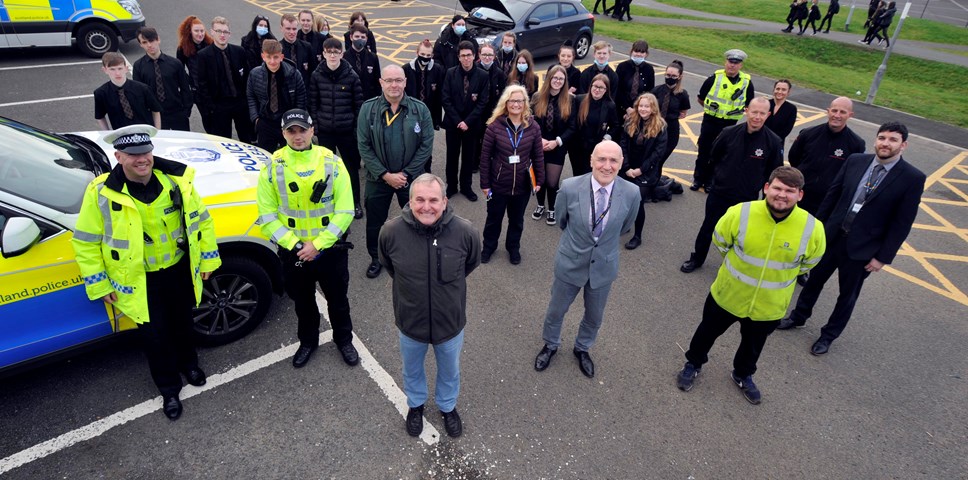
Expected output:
(671, 81)
(324, 32)
(522, 67)
(460, 29)
(637, 60)
(423, 62)
(508, 49)
(600, 65)
(359, 43)
(262, 31)
(487, 66)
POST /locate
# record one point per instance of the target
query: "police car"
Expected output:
(44, 309)
(94, 24)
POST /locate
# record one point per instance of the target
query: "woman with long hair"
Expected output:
(321, 25)
(643, 144)
(673, 105)
(597, 120)
(252, 41)
(554, 111)
(359, 18)
(523, 73)
(511, 150)
(192, 37)
(566, 58)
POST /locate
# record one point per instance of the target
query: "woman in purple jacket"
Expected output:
(512, 149)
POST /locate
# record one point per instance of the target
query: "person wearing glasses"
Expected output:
(554, 110)
(466, 94)
(597, 120)
(673, 104)
(221, 85)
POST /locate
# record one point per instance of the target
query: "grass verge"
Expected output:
(929, 89)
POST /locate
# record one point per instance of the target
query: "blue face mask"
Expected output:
(262, 31)
(459, 29)
(522, 67)
(324, 32)
(486, 65)
(600, 65)
(637, 60)
(507, 49)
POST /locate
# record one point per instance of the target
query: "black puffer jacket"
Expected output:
(445, 48)
(429, 267)
(335, 98)
(291, 88)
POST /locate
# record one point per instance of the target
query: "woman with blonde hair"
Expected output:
(512, 148)
(554, 111)
(522, 73)
(643, 145)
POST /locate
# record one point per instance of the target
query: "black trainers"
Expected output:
(748, 388)
(687, 377)
(538, 212)
(452, 423)
(550, 219)
(415, 421)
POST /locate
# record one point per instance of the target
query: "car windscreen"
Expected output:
(42, 168)
(516, 9)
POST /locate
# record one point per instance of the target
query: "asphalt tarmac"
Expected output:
(888, 401)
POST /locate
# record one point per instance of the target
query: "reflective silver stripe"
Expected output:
(752, 281)
(278, 234)
(335, 230)
(281, 185)
(86, 237)
(744, 219)
(807, 233)
(349, 212)
(204, 216)
(104, 204)
(166, 258)
(193, 228)
(164, 237)
(267, 218)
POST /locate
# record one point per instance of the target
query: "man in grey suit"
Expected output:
(593, 211)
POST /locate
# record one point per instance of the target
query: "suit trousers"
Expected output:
(447, 355)
(349, 152)
(716, 206)
(167, 337)
(715, 322)
(562, 296)
(497, 206)
(175, 121)
(331, 271)
(708, 131)
(269, 135)
(378, 197)
(229, 110)
(461, 155)
(850, 275)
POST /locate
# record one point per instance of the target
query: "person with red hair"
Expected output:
(192, 37)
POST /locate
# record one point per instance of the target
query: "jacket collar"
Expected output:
(115, 180)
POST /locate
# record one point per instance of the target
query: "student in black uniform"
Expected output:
(307, 34)
(192, 38)
(252, 41)
(597, 119)
(554, 110)
(812, 18)
(275, 87)
(166, 78)
(498, 80)
(298, 52)
(602, 52)
(359, 18)
(125, 102)
(221, 91)
(643, 144)
(466, 93)
(566, 58)
(364, 62)
(523, 73)
(445, 49)
(425, 81)
(674, 105)
(635, 77)
(828, 19)
(508, 53)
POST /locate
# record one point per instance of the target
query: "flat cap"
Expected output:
(133, 139)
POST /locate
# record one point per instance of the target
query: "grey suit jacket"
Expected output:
(580, 259)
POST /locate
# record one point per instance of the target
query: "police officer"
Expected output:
(144, 243)
(723, 96)
(305, 207)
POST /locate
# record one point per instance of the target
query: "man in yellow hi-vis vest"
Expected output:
(305, 203)
(766, 244)
(144, 243)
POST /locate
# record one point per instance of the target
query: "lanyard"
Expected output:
(390, 119)
(869, 187)
(514, 144)
(601, 217)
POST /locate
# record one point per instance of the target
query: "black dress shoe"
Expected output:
(350, 356)
(788, 323)
(374, 269)
(302, 355)
(486, 256)
(695, 186)
(633, 243)
(452, 423)
(358, 212)
(820, 347)
(195, 376)
(515, 257)
(172, 407)
(689, 265)
(470, 195)
(543, 359)
(451, 193)
(415, 421)
(585, 363)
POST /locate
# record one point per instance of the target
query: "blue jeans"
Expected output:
(448, 371)
(562, 296)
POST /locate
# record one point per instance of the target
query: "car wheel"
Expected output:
(582, 45)
(96, 39)
(235, 299)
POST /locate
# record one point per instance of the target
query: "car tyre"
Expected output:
(96, 39)
(235, 300)
(582, 46)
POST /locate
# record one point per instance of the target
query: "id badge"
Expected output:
(512, 159)
(856, 208)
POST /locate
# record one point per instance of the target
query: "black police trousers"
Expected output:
(331, 271)
(167, 336)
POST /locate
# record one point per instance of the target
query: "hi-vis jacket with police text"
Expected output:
(109, 240)
(729, 98)
(287, 215)
(763, 258)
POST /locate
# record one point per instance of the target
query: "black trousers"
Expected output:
(716, 206)
(514, 206)
(605, 8)
(708, 131)
(332, 274)
(175, 121)
(850, 275)
(461, 155)
(167, 337)
(349, 152)
(228, 111)
(715, 322)
(580, 159)
(378, 197)
(621, 9)
(672, 141)
(828, 19)
(268, 134)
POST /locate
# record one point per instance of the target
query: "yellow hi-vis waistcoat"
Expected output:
(109, 238)
(287, 215)
(763, 258)
(161, 222)
(722, 93)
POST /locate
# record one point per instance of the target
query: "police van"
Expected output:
(94, 24)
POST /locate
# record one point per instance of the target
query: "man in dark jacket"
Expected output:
(335, 97)
(165, 76)
(832, 10)
(274, 87)
(364, 62)
(396, 137)
(300, 53)
(412, 249)
(466, 94)
(742, 159)
(220, 91)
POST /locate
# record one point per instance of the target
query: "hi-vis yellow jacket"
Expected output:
(109, 238)
(286, 214)
(763, 258)
(728, 96)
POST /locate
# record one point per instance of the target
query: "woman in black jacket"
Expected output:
(673, 105)
(643, 144)
(523, 73)
(252, 41)
(192, 37)
(812, 18)
(597, 120)
(883, 22)
(445, 49)
(511, 150)
(554, 110)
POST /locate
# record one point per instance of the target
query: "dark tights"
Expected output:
(552, 177)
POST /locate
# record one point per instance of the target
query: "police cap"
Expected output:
(133, 139)
(296, 116)
(735, 55)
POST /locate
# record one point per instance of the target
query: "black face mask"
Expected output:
(423, 62)
(671, 81)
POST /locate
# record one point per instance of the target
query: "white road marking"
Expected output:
(68, 64)
(45, 100)
(430, 435)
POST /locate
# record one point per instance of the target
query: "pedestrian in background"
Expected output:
(828, 19)
(812, 17)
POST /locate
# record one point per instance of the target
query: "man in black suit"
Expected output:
(867, 214)
(220, 85)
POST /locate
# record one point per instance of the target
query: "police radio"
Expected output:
(176, 203)
(319, 188)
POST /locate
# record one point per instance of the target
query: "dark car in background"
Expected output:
(541, 26)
